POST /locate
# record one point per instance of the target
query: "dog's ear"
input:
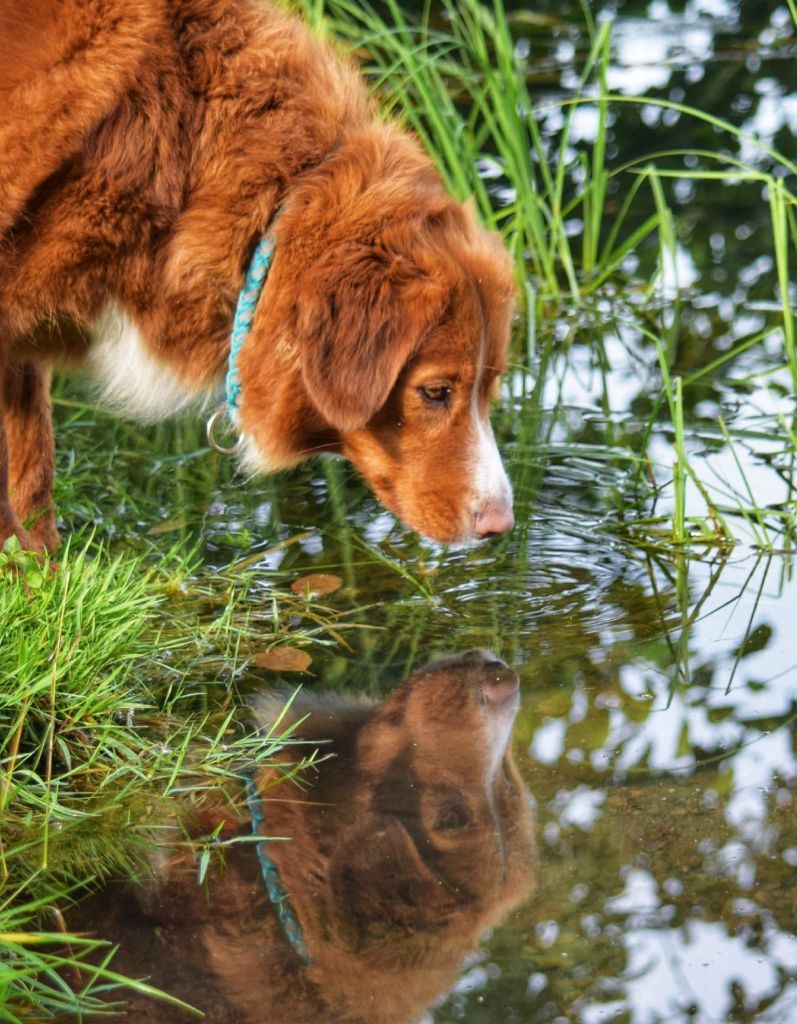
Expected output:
(382, 888)
(362, 313)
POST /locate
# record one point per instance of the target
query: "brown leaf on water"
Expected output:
(283, 659)
(316, 583)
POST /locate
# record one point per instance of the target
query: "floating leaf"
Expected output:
(316, 583)
(283, 659)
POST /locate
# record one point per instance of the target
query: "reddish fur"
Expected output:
(144, 147)
(389, 905)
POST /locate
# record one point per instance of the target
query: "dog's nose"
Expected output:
(493, 519)
(500, 687)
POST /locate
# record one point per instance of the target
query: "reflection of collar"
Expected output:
(277, 892)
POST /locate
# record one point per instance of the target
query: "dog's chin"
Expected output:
(254, 461)
(456, 538)
(466, 543)
(459, 536)
(466, 540)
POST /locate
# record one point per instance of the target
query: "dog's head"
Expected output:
(394, 308)
(418, 834)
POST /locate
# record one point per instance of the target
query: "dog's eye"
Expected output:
(452, 818)
(435, 394)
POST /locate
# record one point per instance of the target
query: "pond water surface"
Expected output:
(656, 729)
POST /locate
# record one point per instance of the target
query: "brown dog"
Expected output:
(414, 838)
(145, 147)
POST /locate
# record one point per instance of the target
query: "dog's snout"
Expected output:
(500, 687)
(487, 680)
(493, 519)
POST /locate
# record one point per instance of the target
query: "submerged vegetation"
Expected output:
(649, 411)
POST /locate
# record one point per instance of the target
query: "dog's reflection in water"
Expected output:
(413, 838)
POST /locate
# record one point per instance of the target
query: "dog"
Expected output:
(414, 837)
(146, 148)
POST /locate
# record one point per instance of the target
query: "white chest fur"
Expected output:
(130, 380)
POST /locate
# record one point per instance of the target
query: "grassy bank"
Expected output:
(104, 731)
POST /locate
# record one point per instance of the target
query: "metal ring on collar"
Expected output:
(214, 442)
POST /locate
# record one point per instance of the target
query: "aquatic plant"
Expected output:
(595, 239)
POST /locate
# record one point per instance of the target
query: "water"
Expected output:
(656, 729)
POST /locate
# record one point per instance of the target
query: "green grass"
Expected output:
(102, 726)
(460, 86)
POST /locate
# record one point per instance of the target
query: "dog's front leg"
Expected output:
(26, 472)
(10, 525)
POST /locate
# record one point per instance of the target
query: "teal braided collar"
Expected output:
(244, 314)
(277, 892)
